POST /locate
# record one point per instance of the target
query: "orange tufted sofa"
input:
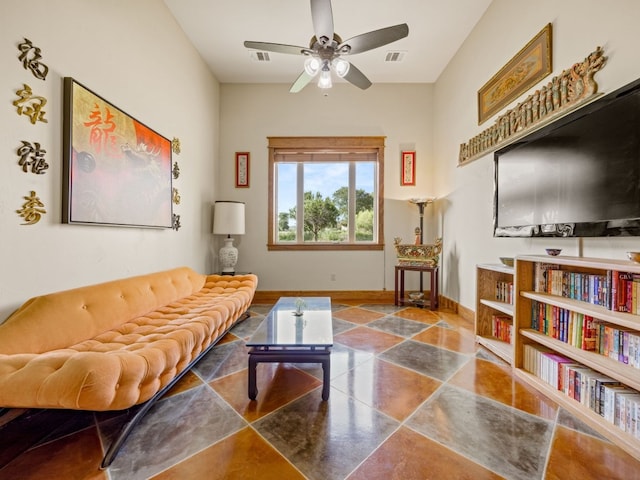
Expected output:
(117, 344)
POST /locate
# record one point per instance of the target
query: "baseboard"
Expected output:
(461, 310)
(361, 296)
(358, 296)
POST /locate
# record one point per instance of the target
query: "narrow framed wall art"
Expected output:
(242, 169)
(524, 70)
(408, 168)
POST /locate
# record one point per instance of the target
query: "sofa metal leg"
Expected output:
(128, 427)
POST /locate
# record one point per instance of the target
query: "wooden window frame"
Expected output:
(325, 144)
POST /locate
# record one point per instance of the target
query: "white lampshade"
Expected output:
(228, 218)
(340, 66)
(312, 66)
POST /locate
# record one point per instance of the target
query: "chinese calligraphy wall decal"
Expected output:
(175, 146)
(176, 170)
(32, 210)
(176, 222)
(30, 105)
(116, 170)
(30, 58)
(573, 87)
(176, 196)
(32, 156)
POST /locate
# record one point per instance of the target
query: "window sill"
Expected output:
(324, 246)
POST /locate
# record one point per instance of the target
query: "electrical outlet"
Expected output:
(333, 277)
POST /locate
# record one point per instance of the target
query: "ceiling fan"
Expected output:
(326, 49)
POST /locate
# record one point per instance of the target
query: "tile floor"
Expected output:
(412, 397)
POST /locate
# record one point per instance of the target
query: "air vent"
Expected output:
(260, 56)
(394, 56)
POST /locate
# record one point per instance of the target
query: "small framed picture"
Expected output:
(408, 169)
(242, 169)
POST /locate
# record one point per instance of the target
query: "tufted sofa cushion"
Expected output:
(114, 345)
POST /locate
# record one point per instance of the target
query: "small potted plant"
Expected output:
(300, 304)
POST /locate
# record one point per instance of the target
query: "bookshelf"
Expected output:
(535, 339)
(493, 300)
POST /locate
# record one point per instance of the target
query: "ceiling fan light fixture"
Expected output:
(325, 79)
(326, 47)
(312, 66)
(340, 66)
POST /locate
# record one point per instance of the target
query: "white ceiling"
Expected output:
(218, 28)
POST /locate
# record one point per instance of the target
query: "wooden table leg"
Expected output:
(395, 282)
(437, 296)
(432, 293)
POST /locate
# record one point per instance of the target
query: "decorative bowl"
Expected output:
(634, 256)
(553, 251)
(507, 261)
(416, 296)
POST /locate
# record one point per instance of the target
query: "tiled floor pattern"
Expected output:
(412, 397)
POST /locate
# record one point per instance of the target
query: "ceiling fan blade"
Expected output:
(357, 78)
(276, 47)
(301, 82)
(322, 17)
(377, 38)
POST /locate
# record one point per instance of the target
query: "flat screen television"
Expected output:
(576, 177)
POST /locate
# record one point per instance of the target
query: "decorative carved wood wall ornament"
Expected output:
(572, 88)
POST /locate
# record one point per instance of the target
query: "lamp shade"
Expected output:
(228, 218)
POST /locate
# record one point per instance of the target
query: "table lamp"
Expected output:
(228, 219)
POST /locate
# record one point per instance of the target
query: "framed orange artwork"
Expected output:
(116, 170)
(408, 169)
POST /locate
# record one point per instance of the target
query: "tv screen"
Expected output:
(578, 176)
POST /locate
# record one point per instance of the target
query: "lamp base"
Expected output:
(228, 257)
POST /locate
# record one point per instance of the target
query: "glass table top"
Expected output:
(283, 328)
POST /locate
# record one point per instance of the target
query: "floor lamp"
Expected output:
(228, 219)
(421, 203)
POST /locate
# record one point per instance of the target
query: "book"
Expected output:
(607, 398)
(540, 275)
(619, 290)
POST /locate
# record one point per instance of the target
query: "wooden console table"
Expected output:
(399, 282)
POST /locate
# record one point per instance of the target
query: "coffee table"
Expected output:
(285, 336)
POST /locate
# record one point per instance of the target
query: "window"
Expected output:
(325, 193)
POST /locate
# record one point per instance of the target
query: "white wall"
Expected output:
(134, 55)
(466, 210)
(251, 113)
